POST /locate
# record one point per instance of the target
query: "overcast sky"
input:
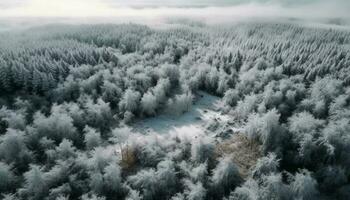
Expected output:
(198, 8)
(141, 3)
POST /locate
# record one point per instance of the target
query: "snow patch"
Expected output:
(188, 125)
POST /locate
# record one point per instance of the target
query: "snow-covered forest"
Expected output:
(70, 96)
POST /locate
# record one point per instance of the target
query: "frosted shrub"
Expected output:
(92, 138)
(7, 177)
(225, 177)
(231, 97)
(57, 126)
(130, 101)
(266, 165)
(304, 186)
(149, 103)
(194, 191)
(180, 104)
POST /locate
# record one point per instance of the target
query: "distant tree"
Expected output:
(272, 99)
(178, 196)
(34, 186)
(194, 191)
(172, 72)
(56, 126)
(149, 103)
(248, 191)
(304, 123)
(61, 192)
(320, 109)
(272, 187)
(130, 101)
(156, 184)
(13, 148)
(212, 80)
(246, 106)
(337, 140)
(223, 84)
(202, 150)
(92, 197)
(128, 117)
(9, 197)
(252, 128)
(67, 90)
(180, 104)
(272, 133)
(100, 158)
(7, 177)
(199, 173)
(305, 128)
(231, 97)
(92, 138)
(150, 154)
(267, 129)
(112, 179)
(338, 108)
(326, 89)
(65, 149)
(146, 182)
(111, 93)
(120, 136)
(225, 177)
(266, 165)
(248, 81)
(98, 115)
(96, 182)
(13, 119)
(5, 75)
(167, 178)
(330, 178)
(133, 195)
(161, 90)
(304, 186)
(62, 198)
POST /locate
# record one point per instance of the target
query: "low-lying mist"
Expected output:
(324, 14)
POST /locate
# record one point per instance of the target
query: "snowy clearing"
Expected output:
(205, 109)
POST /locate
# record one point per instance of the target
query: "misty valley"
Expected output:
(189, 111)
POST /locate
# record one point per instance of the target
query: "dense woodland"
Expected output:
(69, 93)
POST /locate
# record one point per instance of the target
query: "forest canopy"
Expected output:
(69, 95)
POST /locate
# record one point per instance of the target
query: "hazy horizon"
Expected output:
(20, 14)
(151, 8)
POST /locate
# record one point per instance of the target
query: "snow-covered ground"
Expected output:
(193, 123)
